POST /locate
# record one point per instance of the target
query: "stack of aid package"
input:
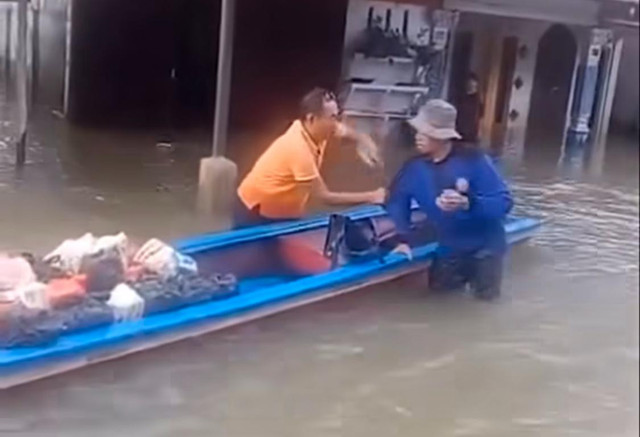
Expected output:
(90, 282)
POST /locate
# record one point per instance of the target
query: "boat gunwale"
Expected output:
(239, 236)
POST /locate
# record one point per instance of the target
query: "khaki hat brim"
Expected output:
(434, 132)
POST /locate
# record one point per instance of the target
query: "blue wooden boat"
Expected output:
(264, 289)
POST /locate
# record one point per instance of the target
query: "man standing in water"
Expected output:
(463, 197)
(470, 110)
(287, 174)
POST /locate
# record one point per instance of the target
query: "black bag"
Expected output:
(353, 241)
(24, 327)
(89, 314)
(183, 290)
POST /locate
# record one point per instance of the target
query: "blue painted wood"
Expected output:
(223, 239)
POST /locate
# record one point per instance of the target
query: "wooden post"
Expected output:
(22, 94)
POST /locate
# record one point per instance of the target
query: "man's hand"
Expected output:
(378, 197)
(452, 201)
(320, 190)
(368, 151)
(404, 250)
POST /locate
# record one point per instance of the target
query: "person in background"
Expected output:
(280, 183)
(464, 199)
(470, 110)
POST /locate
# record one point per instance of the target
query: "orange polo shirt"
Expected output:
(280, 181)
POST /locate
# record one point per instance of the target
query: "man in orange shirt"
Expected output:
(288, 172)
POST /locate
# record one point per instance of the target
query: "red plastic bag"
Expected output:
(66, 292)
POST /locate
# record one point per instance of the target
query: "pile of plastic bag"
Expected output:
(91, 282)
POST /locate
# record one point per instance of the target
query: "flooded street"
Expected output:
(556, 356)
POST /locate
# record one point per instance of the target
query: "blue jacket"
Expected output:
(481, 227)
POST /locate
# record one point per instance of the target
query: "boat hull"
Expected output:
(259, 296)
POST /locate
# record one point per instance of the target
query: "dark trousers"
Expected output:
(244, 217)
(481, 270)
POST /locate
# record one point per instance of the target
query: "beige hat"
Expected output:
(437, 119)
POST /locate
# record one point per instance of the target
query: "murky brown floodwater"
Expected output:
(557, 356)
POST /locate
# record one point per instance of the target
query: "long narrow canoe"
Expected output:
(265, 288)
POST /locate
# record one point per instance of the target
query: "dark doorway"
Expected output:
(137, 63)
(283, 49)
(141, 62)
(555, 67)
(460, 62)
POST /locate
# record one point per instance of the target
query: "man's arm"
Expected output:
(305, 171)
(320, 190)
(367, 148)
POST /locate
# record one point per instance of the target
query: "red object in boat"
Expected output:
(303, 258)
(65, 292)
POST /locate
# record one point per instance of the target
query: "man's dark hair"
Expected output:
(313, 102)
(472, 76)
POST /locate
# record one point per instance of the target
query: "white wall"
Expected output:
(584, 12)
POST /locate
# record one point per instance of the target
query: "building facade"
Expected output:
(548, 69)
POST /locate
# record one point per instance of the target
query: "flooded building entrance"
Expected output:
(143, 62)
(152, 60)
(552, 83)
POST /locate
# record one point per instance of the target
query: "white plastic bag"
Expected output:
(113, 243)
(34, 296)
(186, 263)
(15, 273)
(126, 303)
(68, 256)
(158, 258)
(163, 260)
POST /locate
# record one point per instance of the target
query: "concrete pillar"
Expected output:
(218, 175)
(67, 57)
(223, 86)
(586, 87)
(7, 43)
(602, 117)
(35, 51)
(455, 19)
(444, 28)
(578, 133)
